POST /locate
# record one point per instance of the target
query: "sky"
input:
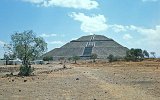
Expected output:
(132, 23)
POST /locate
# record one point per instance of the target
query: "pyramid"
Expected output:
(86, 45)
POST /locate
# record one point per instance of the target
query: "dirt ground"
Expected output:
(84, 81)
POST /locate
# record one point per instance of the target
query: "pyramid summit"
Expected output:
(86, 45)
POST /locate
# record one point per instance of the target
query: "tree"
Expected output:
(153, 54)
(27, 47)
(75, 58)
(94, 57)
(138, 53)
(130, 55)
(47, 58)
(145, 53)
(134, 55)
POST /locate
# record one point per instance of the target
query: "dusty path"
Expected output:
(84, 83)
(116, 90)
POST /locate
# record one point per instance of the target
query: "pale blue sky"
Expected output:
(132, 23)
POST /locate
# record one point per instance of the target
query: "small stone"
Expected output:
(13, 80)
(25, 80)
(77, 78)
(64, 66)
(19, 90)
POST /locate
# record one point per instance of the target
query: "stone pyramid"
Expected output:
(86, 45)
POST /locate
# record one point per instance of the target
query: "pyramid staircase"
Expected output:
(88, 48)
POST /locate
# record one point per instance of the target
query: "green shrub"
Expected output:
(75, 58)
(112, 58)
(25, 70)
(70, 58)
(48, 58)
(94, 57)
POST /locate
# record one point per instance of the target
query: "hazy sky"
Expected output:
(132, 23)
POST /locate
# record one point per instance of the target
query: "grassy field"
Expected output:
(84, 81)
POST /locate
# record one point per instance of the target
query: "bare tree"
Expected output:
(153, 54)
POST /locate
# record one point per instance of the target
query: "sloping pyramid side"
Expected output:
(86, 45)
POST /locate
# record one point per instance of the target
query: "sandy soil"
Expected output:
(84, 81)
